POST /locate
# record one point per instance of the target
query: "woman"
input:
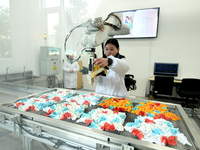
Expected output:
(117, 65)
(70, 73)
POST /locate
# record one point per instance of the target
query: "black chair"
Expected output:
(189, 88)
(163, 85)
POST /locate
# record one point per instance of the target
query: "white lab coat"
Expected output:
(113, 83)
(70, 79)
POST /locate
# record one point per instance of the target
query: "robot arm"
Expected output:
(97, 31)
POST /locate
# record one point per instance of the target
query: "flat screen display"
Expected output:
(167, 69)
(143, 22)
(54, 51)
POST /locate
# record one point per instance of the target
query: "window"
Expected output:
(52, 27)
(5, 36)
(52, 3)
(52, 22)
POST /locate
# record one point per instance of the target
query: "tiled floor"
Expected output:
(9, 141)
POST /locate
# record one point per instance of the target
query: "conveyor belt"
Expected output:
(196, 116)
(130, 118)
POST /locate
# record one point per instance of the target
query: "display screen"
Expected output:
(54, 51)
(168, 69)
(143, 23)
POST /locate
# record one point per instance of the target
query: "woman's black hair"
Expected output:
(112, 41)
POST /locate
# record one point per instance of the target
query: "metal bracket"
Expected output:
(14, 118)
(127, 147)
(2, 118)
(102, 147)
(16, 128)
(37, 129)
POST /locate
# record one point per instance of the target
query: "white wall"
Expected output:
(26, 36)
(178, 37)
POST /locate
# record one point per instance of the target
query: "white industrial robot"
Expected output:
(97, 31)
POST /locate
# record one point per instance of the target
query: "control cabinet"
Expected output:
(50, 60)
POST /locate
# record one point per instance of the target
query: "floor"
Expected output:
(9, 141)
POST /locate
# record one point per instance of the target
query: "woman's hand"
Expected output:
(103, 62)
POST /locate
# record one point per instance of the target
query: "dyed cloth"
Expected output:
(85, 99)
(43, 101)
(72, 107)
(157, 131)
(117, 104)
(155, 110)
(104, 119)
(69, 110)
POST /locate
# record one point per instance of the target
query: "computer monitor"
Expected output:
(166, 69)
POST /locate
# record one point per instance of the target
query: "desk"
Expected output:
(151, 79)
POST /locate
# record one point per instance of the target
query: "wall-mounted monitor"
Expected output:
(143, 22)
(166, 69)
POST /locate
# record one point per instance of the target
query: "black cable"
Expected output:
(102, 46)
(108, 16)
(114, 26)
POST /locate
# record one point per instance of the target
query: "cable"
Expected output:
(67, 37)
(57, 142)
(114, 26)
(102, 46)
(79, 56)
(97, 23)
